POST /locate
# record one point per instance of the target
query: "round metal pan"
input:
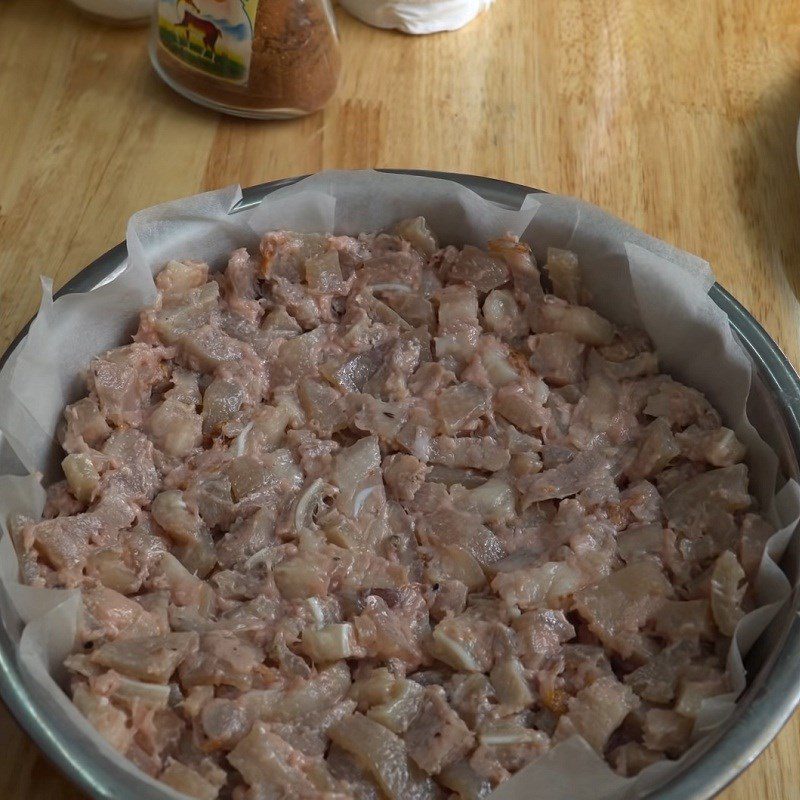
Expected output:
(773, 664)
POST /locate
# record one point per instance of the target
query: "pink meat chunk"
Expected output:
(597, 711)
(438, 737)
(148, 658)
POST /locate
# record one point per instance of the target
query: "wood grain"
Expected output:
(678, 116)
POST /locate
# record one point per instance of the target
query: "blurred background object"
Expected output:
(416, 16)
(124, 12)
(268, 59)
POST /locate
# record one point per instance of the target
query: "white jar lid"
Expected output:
(117, 9)
(416, 16)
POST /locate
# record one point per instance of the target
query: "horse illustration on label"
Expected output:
(212, 36)
(208, 30)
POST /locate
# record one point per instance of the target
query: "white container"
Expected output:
(127, 12)
(416, 16)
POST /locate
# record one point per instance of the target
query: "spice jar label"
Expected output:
(211, 36)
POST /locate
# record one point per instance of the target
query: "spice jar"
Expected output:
(268, 59)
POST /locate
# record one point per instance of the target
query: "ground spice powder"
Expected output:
(294, 64)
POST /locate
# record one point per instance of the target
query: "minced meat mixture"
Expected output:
(365, 517)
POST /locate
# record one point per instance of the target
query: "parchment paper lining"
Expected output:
(633, 278)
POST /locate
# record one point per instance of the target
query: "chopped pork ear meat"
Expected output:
(755, 533)
(493, 500)
(564, 273)
(360, 785)
(642, 541)
(522, 404)
(585, 470)
(373, 688)
(447, 564)
(657, 448)
(85, 426)
(149, 658)
(462, 530)
(367, 517)
(472, 696)
(582, 323)
(505, 748)
(417, 233)
(693, 693)
(464, 642)
(111, 722)
(273, 768)
(520, 261)
(494, 364)
(511, 684)
(386, 632)
(470, 452)
(176, 428)
(129, 692)
(396, 266)
(403, 475)
(170, 511)
(619, 606)
(222, 658)
(503, 316)
(597, 711)
(644, 364)
(656, 680)
(383, 754)
(132, 474)
(685, 621)
(718, 446)
(188, 781)
(301, 699)
(550, 584)
(221, 402)
(114, 568)
(324, 274)
(180, 315)
(727, 592)
(109, 615)
(557, 358)
(82, 477)
(402, 707)
(438, 736)
(484, 271)
(681, 405)
(666, 731)
(697, 501)
(459, 328)
(541, 633)
(179, 277)
(460, 407)
(631, 758)
(123, 379)
(464, 781)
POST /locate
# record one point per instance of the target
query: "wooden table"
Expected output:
(677, 116)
